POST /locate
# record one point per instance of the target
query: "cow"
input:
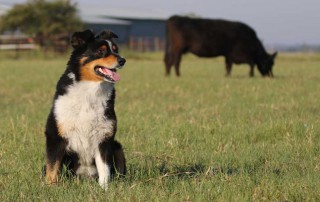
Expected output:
(236, 41)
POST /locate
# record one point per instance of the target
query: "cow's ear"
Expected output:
(81, 38)
(274, 55)
(106, 34)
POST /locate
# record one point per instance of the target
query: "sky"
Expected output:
(277, 22)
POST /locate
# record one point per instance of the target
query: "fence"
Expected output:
(60, 43)
(146, 44)
(16, 42)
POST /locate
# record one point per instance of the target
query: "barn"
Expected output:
(121, 27)
(141, 30)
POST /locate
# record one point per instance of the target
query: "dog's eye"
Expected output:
(100, 51)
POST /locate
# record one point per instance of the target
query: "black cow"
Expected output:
(236, 41)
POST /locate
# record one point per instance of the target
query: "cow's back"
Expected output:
(209, 38)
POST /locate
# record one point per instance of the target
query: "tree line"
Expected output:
(42, 19)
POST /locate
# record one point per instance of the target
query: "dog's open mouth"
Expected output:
(108, 74)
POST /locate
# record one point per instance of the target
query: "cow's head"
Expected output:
(265, 67)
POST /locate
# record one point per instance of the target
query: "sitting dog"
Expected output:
(82, 123)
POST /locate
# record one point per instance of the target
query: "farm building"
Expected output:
(139, 29)
(121, 27)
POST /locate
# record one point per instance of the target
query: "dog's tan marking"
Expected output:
(82, 60)
(60, 131)
(109, 61)
(87, 71)
(120, 161)
(103, 48)
(52, 172)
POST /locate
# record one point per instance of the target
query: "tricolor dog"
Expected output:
(82, 123)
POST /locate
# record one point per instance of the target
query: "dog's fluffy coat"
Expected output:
(82, 123)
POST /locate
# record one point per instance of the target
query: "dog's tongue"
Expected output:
(113, 75)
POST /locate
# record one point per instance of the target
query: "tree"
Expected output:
(42, 19)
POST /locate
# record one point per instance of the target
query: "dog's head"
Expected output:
(95, 58)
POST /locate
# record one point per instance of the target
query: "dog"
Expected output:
(82, 123)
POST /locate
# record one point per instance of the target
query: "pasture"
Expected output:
(201, 137)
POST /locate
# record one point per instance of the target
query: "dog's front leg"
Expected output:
(103, 169)
(55, 152)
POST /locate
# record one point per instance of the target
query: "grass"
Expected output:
(201, 137)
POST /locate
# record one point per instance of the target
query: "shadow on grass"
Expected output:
(193, 170)
(259, 166)
(244, 77)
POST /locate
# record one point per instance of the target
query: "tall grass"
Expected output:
(201, 137)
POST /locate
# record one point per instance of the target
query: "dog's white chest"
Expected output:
(81, 120)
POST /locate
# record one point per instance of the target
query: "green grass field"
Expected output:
(201, 137)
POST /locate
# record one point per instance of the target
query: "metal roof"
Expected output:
(103, 20)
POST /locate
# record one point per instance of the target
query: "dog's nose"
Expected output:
(121, 61)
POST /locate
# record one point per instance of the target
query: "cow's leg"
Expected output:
(228, 66)
(177, 59)
(168, 62)
(251, 70)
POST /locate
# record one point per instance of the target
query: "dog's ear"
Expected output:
(80, 38)
(106, 34)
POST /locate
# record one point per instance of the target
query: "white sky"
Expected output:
(276, 21)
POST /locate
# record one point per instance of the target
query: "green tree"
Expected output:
(42, 19)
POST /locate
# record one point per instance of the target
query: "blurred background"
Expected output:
(29, 24)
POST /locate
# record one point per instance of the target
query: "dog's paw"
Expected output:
(103, 184)
(51, 180)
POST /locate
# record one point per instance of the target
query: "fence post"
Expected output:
(156, 44)
(17, 48)
(140, 44)
(131, 43)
